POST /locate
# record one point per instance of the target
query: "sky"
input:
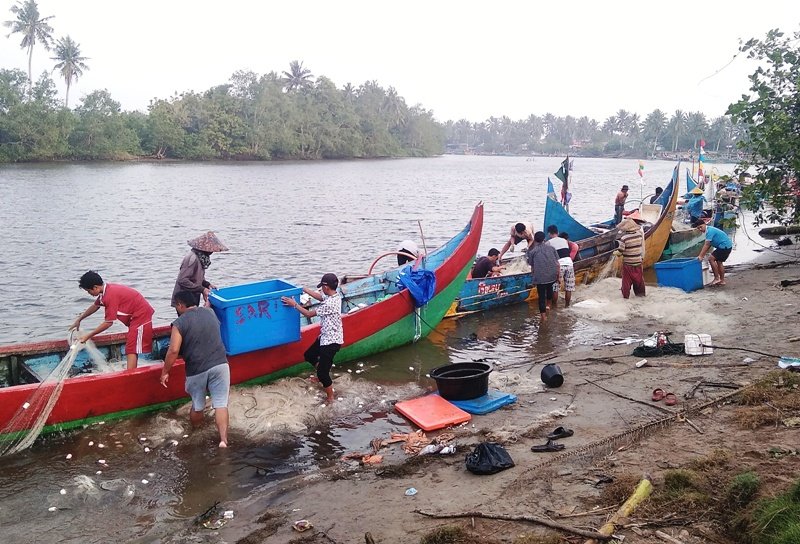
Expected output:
(461, 59)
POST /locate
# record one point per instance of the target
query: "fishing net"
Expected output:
(25, 427)
(609, 269)
(704, 310)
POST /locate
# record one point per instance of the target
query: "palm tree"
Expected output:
(32, 27)
(297, 77)
(70, 62)
(677, 127)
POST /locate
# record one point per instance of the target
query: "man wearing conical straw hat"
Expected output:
(192, 274)
(631, 247)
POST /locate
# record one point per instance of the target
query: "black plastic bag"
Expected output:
(488, 458)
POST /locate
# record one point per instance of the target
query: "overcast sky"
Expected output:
(461, 59)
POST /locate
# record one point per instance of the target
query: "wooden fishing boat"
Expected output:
(595, 250)
(378, 314)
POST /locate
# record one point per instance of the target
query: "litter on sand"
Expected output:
(411, 491)
(302, 525)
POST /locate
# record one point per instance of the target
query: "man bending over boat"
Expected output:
(125, 304)
(722, 249)
(197, 339)
(331, 335)
(519, 232)
(486, 267)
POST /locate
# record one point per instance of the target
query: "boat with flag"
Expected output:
(378, 313)
(595, 250)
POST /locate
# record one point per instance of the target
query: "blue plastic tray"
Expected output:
(490, 402)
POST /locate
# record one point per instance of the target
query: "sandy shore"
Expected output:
(349, 500)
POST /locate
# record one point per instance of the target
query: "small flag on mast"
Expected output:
(563, 174)
(641, 169)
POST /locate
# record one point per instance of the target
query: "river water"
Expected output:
(130, 222)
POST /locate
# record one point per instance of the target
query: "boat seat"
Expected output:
(650, 212)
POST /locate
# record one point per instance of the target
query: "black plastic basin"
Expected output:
(462, 381)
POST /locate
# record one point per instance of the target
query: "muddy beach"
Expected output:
(606, 399)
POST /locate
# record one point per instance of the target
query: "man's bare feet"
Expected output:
(313, 379)
(223, 445)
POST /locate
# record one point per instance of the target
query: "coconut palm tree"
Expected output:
(70, 62)
(297, 77)
(32, 27)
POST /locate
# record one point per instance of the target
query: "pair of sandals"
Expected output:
(551, 445)
(669, 398)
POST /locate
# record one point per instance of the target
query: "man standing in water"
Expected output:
(125, 304)
(619, 204)
(543, 259)
(631, 246)
(196, 338)
(722, 250)
(566, 273)
(331, 334)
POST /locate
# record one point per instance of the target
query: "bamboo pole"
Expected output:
(642, 491)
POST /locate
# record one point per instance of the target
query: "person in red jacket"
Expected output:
(123, 303)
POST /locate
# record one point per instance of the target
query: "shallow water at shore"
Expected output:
(184, 472)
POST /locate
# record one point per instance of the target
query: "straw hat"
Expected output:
(628, 225)
(207, 242)
(696, 191)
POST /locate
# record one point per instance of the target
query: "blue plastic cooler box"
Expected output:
(253, 317)
(686, 274)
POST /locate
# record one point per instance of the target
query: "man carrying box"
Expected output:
(331, 335)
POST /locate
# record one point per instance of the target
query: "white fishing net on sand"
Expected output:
(295, 405)
(25, 427)
(706, 310)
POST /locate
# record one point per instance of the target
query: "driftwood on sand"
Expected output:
(642, 491)
(530, 519)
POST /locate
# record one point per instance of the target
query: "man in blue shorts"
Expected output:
(722, 249)
(196, 338)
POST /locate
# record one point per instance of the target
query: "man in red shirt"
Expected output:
(125, 304)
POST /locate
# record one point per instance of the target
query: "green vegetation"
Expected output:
(621, 135)
(771, 115)
(252, 117)
(777, 520)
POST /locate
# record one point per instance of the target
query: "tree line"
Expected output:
(622, 134)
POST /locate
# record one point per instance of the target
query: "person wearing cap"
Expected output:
(655, 197)
(192, 274)
(543, 259)
(694, 207)
(407, 252)
(722, 249)
(631, 248)
(331, 334)
(123, 303)
(619, 204)
(196, 337)
(519, 232)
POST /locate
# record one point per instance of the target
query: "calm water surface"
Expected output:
(294, 221)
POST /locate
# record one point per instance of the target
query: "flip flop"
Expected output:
(550, 446)
(658, 394)
(560, 432)
(670, 399)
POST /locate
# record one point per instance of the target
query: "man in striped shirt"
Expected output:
(631, 247)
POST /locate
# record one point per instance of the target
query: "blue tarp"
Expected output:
(420, 283)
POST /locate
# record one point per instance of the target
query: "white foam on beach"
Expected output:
(515, 382)
(295, 405)
(703, 311)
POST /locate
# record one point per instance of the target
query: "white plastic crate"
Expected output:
(694, 344)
